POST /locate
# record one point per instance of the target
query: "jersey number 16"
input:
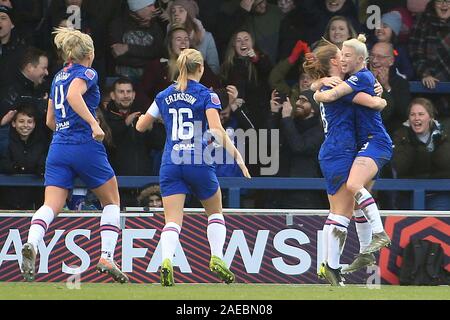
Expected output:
(182, 130)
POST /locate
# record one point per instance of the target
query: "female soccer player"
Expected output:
(374, 143)
(336, 155)
(188, 109)
(76, 150)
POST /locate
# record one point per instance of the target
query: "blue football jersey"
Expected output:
(338, 119)
(70, 127)
(369, 124)
(184, 117)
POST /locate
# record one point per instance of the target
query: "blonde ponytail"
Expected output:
(188, 62)
(73, 45)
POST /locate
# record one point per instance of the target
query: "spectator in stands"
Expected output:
(248, 68)
(93, 19)
(338, 30)
(135, 38)
(150, 197)
(26, 154)
(160, 73)
(429, 44)
(24, 88)
(422, 151)
(132, 153)
(328, 9)
(291, 27)
(389, 32)
(278, 78)
(185, 12)
(27, 13)
(13, 46)
(301, 138)
(232, 117)
(261, 19)
(395, 88)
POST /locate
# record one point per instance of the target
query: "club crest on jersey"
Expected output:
(353, 80)
(215, 99)
(90, 74)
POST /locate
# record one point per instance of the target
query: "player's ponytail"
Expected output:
(188, 63)
(317, 64)
(73, 45)
(359, 44)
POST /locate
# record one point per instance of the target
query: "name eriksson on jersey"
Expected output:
(180, 96)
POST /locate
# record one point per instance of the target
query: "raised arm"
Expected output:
(217, 130)
(333, 94)
(50, 118)
(373, 102)
(327, 81)
(145, 121)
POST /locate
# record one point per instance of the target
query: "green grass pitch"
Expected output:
(88, 291)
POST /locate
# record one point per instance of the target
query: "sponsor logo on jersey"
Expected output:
(215, 99)
(90, 74)
(62, 125)
(353, 80)
(184, 147)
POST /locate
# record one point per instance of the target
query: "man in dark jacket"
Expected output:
(395, 88)
(132, 153)
(301, 137)
(25, 88)
(136, 38)
(12, 46)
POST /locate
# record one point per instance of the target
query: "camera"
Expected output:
(282, 97)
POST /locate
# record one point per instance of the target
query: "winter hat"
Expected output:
(190, 6)
(8, 11)
(394, 20)
(309, 94)
(136, 5)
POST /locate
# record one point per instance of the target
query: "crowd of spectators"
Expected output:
(254, 51)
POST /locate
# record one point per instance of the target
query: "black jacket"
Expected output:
(25, 157)
(131, 154)
(10, 54)
(23, 91)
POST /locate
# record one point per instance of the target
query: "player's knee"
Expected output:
(353, 186)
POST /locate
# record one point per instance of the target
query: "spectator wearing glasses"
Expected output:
(395, 88)
(389, 32)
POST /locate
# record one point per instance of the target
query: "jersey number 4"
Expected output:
(181, 129)
(59, 100)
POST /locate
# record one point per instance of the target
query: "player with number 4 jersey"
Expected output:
(76, 150)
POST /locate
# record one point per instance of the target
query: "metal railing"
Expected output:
(234, 185)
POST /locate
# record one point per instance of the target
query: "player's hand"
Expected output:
(382, 103)
(378, 88)
(97, 133)
(244, 170)
(331, 81)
